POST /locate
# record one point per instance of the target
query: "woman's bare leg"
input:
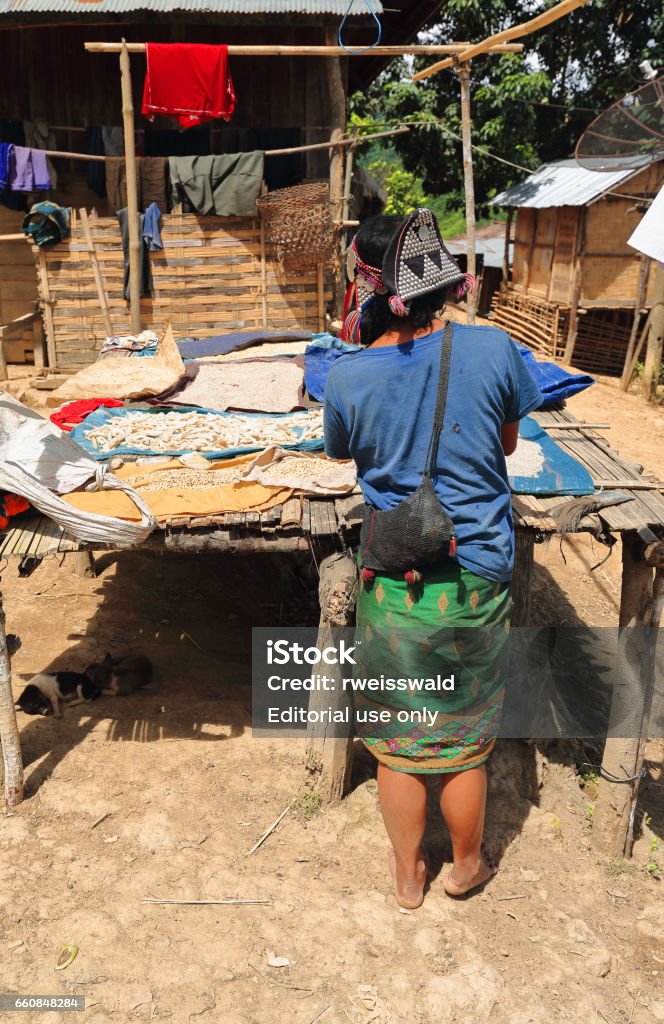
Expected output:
(403, 799)
(463, 804)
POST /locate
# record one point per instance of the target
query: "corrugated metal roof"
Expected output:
(562, 183)
(83, 7)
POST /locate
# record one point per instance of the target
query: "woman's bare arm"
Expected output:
(509, 435)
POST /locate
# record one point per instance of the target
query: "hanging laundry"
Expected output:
(153, 170)
(37, 135)
(227, 185)
(96, 169)
(47, 223)
(151, 228)
(28, 171)
(188, 81)
(113, 140)
(150, 182)
(116, 182)
(145, 271)
(5, 158)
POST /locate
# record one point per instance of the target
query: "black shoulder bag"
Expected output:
(418, 530)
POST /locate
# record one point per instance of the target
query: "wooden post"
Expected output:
(524, 558)
(96, 271)
(132, 192)
(338, 122)
(531, 249)
(650, 673)
(653, 363)
(263, 276)
(644, 274)
(83, 564)
(636, 355)
(463, 74)
(573, 327)
(9, 738)
(615, 801)
(329, 757)
(320, 295)
(46, 301)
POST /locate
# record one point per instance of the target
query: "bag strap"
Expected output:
(441, 399)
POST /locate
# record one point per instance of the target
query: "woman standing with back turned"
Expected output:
(435, 571)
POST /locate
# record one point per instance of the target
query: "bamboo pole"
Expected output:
(487, 45)
(263, 278)
(9, 737)
(132, 191)
(337, 93)
(96, 272)
(636, 355)
(463, 74)
(644, 273)
(653, 361)
(320, 51)
(320, 295)
(350, 141)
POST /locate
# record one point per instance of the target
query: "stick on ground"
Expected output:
(269, 830)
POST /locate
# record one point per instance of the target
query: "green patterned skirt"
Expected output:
(431, 664)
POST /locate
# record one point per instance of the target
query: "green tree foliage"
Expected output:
(527, 108)
(404, 190)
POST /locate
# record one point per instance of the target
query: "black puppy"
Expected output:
(44, 692)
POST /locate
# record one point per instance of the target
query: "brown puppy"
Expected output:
(118, 677)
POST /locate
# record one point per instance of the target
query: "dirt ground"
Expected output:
(164, 793)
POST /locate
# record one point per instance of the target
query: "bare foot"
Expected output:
(458, 882)
(409, 893)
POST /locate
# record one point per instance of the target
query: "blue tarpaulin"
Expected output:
(554, 382)
(560, 473)
(319, 358)
(99, 418)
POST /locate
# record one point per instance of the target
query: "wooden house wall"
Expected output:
(48, 74)
(551, 244)
(210, 277)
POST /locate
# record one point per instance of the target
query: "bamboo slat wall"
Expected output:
(539, 324)
(209, 278)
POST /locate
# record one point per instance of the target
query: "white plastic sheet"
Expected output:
(648, 236)
(39, 462)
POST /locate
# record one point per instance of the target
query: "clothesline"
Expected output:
(349, 141)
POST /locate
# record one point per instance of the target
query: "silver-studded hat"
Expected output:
(416, 260)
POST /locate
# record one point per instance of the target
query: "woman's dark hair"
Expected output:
(372, 241)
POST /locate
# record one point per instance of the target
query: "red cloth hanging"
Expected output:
(188, 81)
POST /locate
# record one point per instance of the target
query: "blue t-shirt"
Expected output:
(379, 406)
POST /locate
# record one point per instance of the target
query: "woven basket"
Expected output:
(298, 224)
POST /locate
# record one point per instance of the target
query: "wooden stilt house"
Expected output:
(212, 274)
(577, 291)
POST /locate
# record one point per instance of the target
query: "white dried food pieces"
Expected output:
(527, 460)
(165, 432)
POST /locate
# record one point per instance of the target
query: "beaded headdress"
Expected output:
(415, 262)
